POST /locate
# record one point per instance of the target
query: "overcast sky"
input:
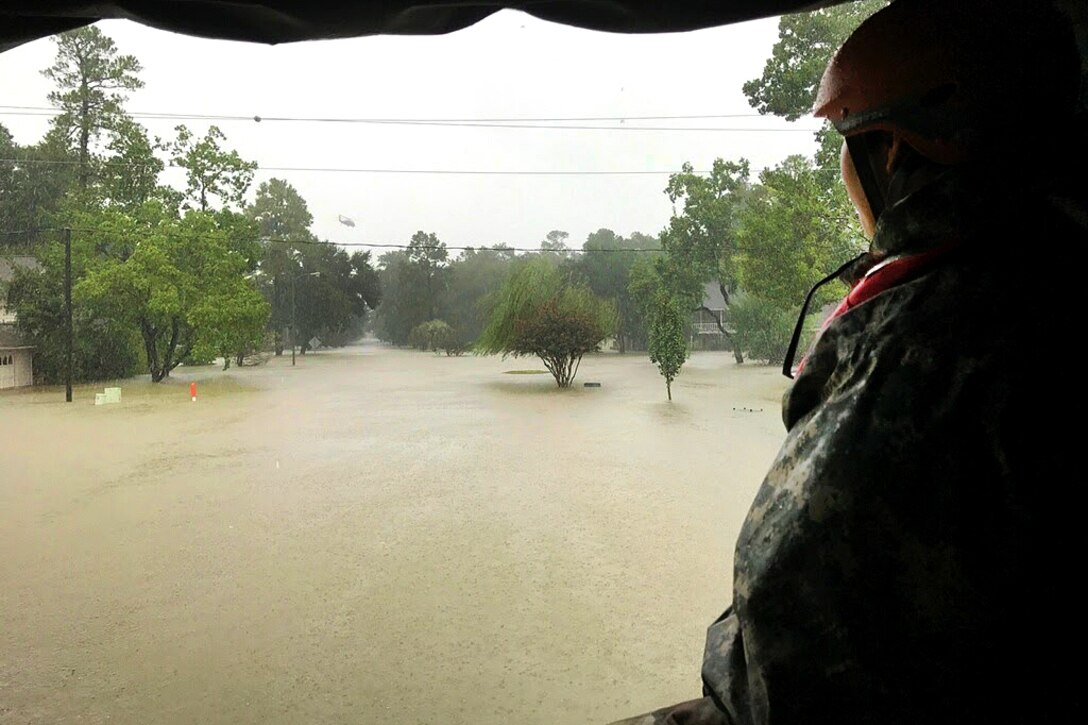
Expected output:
(507, 66)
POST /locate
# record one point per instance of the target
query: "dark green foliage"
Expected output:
(539, 312)
(607, 272)
(129, 175)
(104, 347)
(472, 279)
(668, 341)
(792, 232)
(434, 336)
(762, 329)
(560, 332)
(334, 292)
(414, 285)
(181, 285)
(209, 170)
(701, 236)
(32, 188)
(91, 80)
(806, 42)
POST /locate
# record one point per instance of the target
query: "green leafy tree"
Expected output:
(401, 309)
(538, 312)
(280, 211)
(653, 274)
(91, 80)
(429, 256)
(701, 238)
(792, 232)
(555, 243)
(791, 76)
(104, 348)
(129, 175)
(209, 170)
(283, 221)
(668, 339)
(34, 181)
(413, 285)
(433, 335)
(606, 267)
(763, 328)
(181, 287)
(806, 42)
(333, 293)
(473, 277)
(231, 321)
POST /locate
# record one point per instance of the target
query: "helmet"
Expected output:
(952, 79)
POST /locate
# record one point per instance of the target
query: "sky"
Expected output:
(508, 66)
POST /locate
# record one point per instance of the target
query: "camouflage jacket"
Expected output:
(908, 557)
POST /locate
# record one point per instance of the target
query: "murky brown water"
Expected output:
(374, 536)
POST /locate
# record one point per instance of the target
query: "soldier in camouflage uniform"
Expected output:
(909, 556)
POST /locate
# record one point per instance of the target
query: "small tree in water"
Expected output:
(538, 312)
(668, 346)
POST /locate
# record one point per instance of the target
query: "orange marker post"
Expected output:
(192, 391)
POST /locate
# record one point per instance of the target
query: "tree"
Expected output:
(668, 343)
(606, 267)
(429, 256)
(91, 79)
(413, 286)
(791, 233)
(654, 273)
(104, 348)
(539, 312)
(701, 239)
(763, 328)
(555, 242)
(435, 336)
(333, 293)
(400, 309)
(33, 186)
(182, 286)
(806, 42)
(280, 211)
(283, 223)
(130, 175)
(211, 171)
(472, 279)
(231, 320)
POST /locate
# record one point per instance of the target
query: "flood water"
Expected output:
(374, 535)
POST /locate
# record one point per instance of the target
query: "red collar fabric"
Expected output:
(886, 274)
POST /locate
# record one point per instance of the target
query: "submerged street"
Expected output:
(374, 534)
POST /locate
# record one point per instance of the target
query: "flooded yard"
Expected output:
(375, 535)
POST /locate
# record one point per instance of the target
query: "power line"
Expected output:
(482, 172)
(537, 124)
(368, 245)
(49, 110)
(439, 172)
(456, 248)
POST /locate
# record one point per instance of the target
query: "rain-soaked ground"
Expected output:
(375, 535)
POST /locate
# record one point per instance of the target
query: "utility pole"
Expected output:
(68, 314)
(294, 325)
(293, 278)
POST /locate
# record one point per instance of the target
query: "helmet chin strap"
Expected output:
(862, 148)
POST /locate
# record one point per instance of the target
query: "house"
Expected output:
(16, 357)
(709, 319)
(16, 360)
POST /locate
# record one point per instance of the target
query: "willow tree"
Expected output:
(541, 313)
